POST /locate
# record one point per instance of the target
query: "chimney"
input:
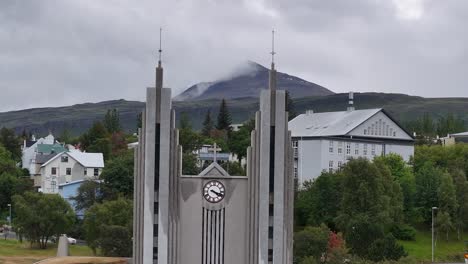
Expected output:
(351, 102)
(309, 112)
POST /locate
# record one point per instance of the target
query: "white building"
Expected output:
(30, 149)
(68, 167)
(326, 141)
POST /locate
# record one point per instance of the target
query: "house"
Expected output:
(452, 139)
(31, 147)
(66, 167)
(326, 141)
(68, 191)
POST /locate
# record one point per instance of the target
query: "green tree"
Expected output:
(208, 124)
(444, 223)
(117, 176)
(188, 139)
(362, 233)
(189, 164)
(112, 121)
(386, 248)
(96, 139)
(427, 184)
(40, 216)
(87, 195)
(461, 216)
(224, 117)
(238, 142)
(318, 201)
(310, 242)
(446, 194)
(368, 192)
(403, 174)
(11, 142)
(101, 220)
(65, 136)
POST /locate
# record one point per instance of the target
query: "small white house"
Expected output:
(68, 167)
(326, 141)
(29, 151)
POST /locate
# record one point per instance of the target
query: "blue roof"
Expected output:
(210, 156)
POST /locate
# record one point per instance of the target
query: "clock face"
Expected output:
(214, 191)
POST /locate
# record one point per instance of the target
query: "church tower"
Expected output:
(213, 217)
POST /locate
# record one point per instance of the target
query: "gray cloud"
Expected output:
(64, 52)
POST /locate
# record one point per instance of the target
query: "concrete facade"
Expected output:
(213, 217)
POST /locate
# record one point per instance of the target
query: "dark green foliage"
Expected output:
(116, 241)
(386, 249)
(310, 242)
(427, 185)
(189, 164)
(117, 176)
(319, 201)
(11, 142)
(224, 117)
(109, 213)
(239, 141)
(188, 139)
(87, 195)
(112, 121)
(208, 124)
(233, 168)
(362, 233)
(403, 232)
(41, 216)
(461, 216)
(65, 137)
(97, 140)
(369, 192)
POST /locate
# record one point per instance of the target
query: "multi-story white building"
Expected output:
(326, 141)
(68, 167)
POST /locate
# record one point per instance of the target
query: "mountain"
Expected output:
(247, 82)
(78, 118)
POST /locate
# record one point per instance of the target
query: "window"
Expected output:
(364, 151)
(330, 149)
(53, 185)
(340, 147)
(64, 158)
(85, 172)
(340, 165)
(68, 171)
(348, 148)
(365, 131)
(356, 149)
(294, 144)
(295, 172)
(53, 171)
(96, 172)
(373, 150)
(330, 166)
(394, 133)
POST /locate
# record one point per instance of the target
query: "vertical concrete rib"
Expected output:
(164, 167)
(279, 179)
(148, 208)
(264, 196)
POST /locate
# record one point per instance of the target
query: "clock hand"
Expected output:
(215, 192)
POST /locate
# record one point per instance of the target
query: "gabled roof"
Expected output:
(214, 170)
(88, 160)
(463, 134)
(329, 123)
(43, 158)
(50, 148)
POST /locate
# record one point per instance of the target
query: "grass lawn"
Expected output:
(11, 251)
(444, 251)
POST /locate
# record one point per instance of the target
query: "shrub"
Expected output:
(386, 249)
(403, 232)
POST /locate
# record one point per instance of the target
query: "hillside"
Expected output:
(248, 82)
(78, 118)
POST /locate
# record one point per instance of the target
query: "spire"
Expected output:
(159, 69)
(272, 84)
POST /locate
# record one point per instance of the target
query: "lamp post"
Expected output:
(433, 209)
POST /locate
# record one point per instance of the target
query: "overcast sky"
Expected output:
(62, 52)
